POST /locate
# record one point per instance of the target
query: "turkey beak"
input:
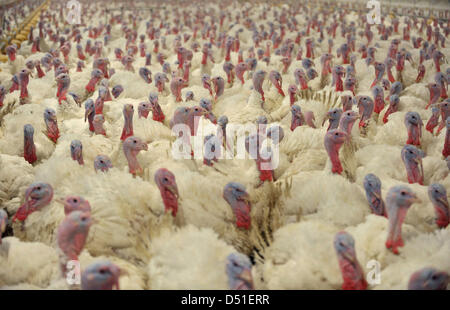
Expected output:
(348, 256)
(246, 275)
(245, 197)
(416, 199)
(378, 196)
(443, 201)
(60, 200)
(173, 189)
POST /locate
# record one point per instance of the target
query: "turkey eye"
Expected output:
(434, 277)
(436, 191)
(410, 152)
(38, 188)
(336, 134)
(403, 193)
(75, 200)
(134, 141)
(101, 161)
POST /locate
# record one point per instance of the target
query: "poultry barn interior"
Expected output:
(268, 145)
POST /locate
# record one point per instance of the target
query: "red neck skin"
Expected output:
(333, 153)
(22, 213)
(309, 51)
(98, 106)
(242, 213)
(339, 84)
(228, 51)
(277, 85)
(177, 93)
(91, 122)
(446, 150)
(14, 87)
(345, 58)
(29, 151)
(90, 87)
(267, 53)
(303, 83)
(12, 56)
(389, 111)
(143, 113)
(444, 116)
(81, 56)
(52, 131)
(442, 215)
(432, 123)
(2, 97)
(208, 87)
(390, 76)
(170, 201)
(394, 239)
(24, 89)
(433, 98)
(420, 76)
(127, 128)
(158, 114)
(180, 60)
(379, 104)
(62, 92)
(160, 86)
(133, 164)
(443, 92)
(295, 122)
(186, 74)
(291, 98)
(98, 129)
(437, 65)
(264, 175)
(35, 48)
(240, 75)
(40, 73)
(352, 274)
(414, 135)
(204, 58)
(414, 173)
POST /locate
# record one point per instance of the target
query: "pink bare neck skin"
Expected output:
(98, 128)
(292, 98)
(352, 274)
(333, 153)
(242, 213)
(446, 150)
(127, 127)
(158, 114)
(52, 130)
(379, 104)
(170, 201)
(133, 164)
(414, 134)
(29, 150)
(394, 239)
(414, 172)
(90, 87)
